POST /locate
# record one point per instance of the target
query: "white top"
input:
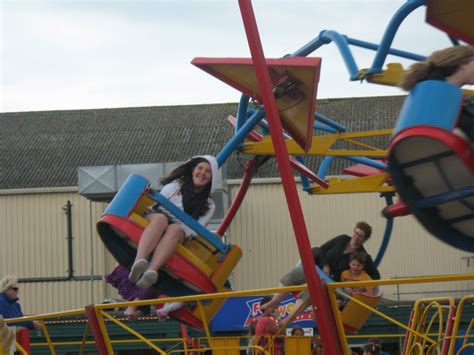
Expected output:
(172, 192)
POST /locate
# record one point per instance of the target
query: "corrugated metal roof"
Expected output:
(45, 148)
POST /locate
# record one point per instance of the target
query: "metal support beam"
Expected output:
(324, 315)
(101, 341)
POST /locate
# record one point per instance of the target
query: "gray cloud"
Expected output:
(74, 54)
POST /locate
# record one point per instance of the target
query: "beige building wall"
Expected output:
(263, 229)
(33, 232)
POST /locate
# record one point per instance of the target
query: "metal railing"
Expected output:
(104, 316)
(398, 293)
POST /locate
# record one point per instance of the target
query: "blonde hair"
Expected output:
(447, 58)
(8, 282)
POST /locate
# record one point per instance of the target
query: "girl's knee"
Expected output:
(157, 218)
(176, 231)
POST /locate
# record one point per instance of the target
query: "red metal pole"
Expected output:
(96, 331)
(244, 186)
(449, 331)
(326, 322)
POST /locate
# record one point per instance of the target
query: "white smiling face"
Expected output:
(202, 175)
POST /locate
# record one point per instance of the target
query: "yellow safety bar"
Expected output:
(424, 334)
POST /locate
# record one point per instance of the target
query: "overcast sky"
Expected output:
(66, 54)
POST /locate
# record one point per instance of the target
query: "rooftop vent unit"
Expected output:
(101, 183)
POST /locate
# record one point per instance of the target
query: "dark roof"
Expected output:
(45, 148)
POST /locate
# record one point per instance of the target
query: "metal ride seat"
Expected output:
(354, 315)
(431, 167)
(197, 267)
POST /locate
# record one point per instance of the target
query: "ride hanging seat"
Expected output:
(431, 167)
(197, 267)
(354, 315)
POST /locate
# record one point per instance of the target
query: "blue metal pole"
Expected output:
(310, 47)
(373, 46)
(454, 41)
(325, 128)
(239, 136)
(367, 161)
(304, 180)
(191, 222)
(324, 167)
(329, 122)
(390, 32)
(345, 51)
(242, 112)
(264, 124)
(387, 232)
(444, 198)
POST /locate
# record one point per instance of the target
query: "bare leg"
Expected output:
(167, 308)
(132, 311)
(148, 241)
(276, 299)
(151, 235)
(167, 246)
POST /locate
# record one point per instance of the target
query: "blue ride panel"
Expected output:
(127, 196)
(431, 103)
(237, 313)
(192, 223)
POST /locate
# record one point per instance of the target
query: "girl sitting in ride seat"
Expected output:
(189, 187)
(454, 65)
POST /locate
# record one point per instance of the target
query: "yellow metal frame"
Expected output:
(414, 330)
(371, 183)
(422, 309)
(322, 145)
(332, 288)
(457, 320)
(392, 76)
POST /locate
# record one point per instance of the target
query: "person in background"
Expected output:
(373, 347)
(7, 335)
(9, 306)
(118, 278)
(252, 338)
(356, 272)
(162, 313)
(267, 326)
(333, 258)
(454, 65)
(297, 332)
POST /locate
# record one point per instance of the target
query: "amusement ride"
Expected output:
(277, 117)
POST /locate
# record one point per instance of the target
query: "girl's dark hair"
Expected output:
(195, 204)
